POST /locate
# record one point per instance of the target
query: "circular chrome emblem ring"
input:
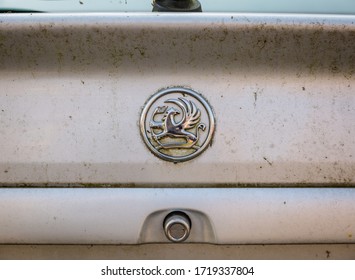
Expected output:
(177, 124)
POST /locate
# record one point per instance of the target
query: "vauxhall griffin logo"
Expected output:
(191, 117)
(177, 124)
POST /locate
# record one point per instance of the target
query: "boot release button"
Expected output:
(177, 226)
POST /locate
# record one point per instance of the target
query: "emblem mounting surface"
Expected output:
(177, 124)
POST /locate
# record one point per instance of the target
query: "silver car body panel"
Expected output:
(132, 216)
(72, 90)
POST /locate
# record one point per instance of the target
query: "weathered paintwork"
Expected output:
(72, 92)
(73, 88)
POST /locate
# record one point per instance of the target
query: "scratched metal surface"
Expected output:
(73, 87)
(72, 90)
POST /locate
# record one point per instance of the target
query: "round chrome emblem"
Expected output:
(177, 124)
